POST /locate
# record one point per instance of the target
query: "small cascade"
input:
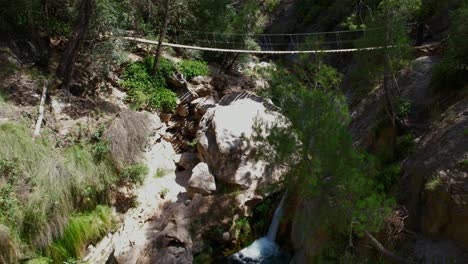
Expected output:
(263, 250)
(273, 229)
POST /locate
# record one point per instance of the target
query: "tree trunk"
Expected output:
(66, 66)
(390, 255)
(387, 81)
(388, 94)
(233, 61)
(37, 130)
(162, 34)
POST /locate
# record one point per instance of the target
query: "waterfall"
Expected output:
(264, 249)
(274, 225)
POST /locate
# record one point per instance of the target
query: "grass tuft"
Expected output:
(433, 184)
(160, 172)
(81, 230)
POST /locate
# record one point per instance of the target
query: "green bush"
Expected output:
(388, 176)
(191, 68)
(146, 92)
(134, 173)
(405, 146)
(403, 107)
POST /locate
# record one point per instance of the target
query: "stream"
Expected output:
(264, 250)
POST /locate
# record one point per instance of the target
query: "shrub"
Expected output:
(404, 147)
(134, 173)
(191, 68)
(242, 232)
(165, 67)
(388, 176)
(146, 92)
(403, 107)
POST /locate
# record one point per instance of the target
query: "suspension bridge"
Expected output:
(300, 43)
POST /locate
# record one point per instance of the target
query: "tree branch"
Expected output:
(390, 255)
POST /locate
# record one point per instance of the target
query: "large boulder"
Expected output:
(202, 181)
(224, 141)
(186, 160)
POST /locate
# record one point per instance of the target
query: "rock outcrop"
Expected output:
(187, 160)
(436, 178)
(224, 142)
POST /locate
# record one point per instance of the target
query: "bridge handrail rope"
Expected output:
(255, 51)
(289, 34)
(330, 42)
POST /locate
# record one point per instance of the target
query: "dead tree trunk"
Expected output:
(37, 130)
(162, 34)
(390, 255)
(66, 66)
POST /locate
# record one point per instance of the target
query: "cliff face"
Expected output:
(435, 178)
(434, 182)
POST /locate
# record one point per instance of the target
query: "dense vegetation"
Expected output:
(42, 187)
(320, 158)
(54, 196)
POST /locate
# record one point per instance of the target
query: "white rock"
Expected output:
(223, 146)
(202, 181)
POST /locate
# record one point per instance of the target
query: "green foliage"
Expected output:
(242, 232)
(451, 72)
(161, 172)
(191, 68)
(134, 173)
(403, 107)
(388, 176)
(405, 146)
(311, 11)
(23, 15)
(389, 20)
(146, 92)
(40, 260)
(10, 206)
(112, 15)
(271, 5)
(464, 163)
(203, 258)
(81, 230)
(261, 217)
(318, 151)
(41, 186)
